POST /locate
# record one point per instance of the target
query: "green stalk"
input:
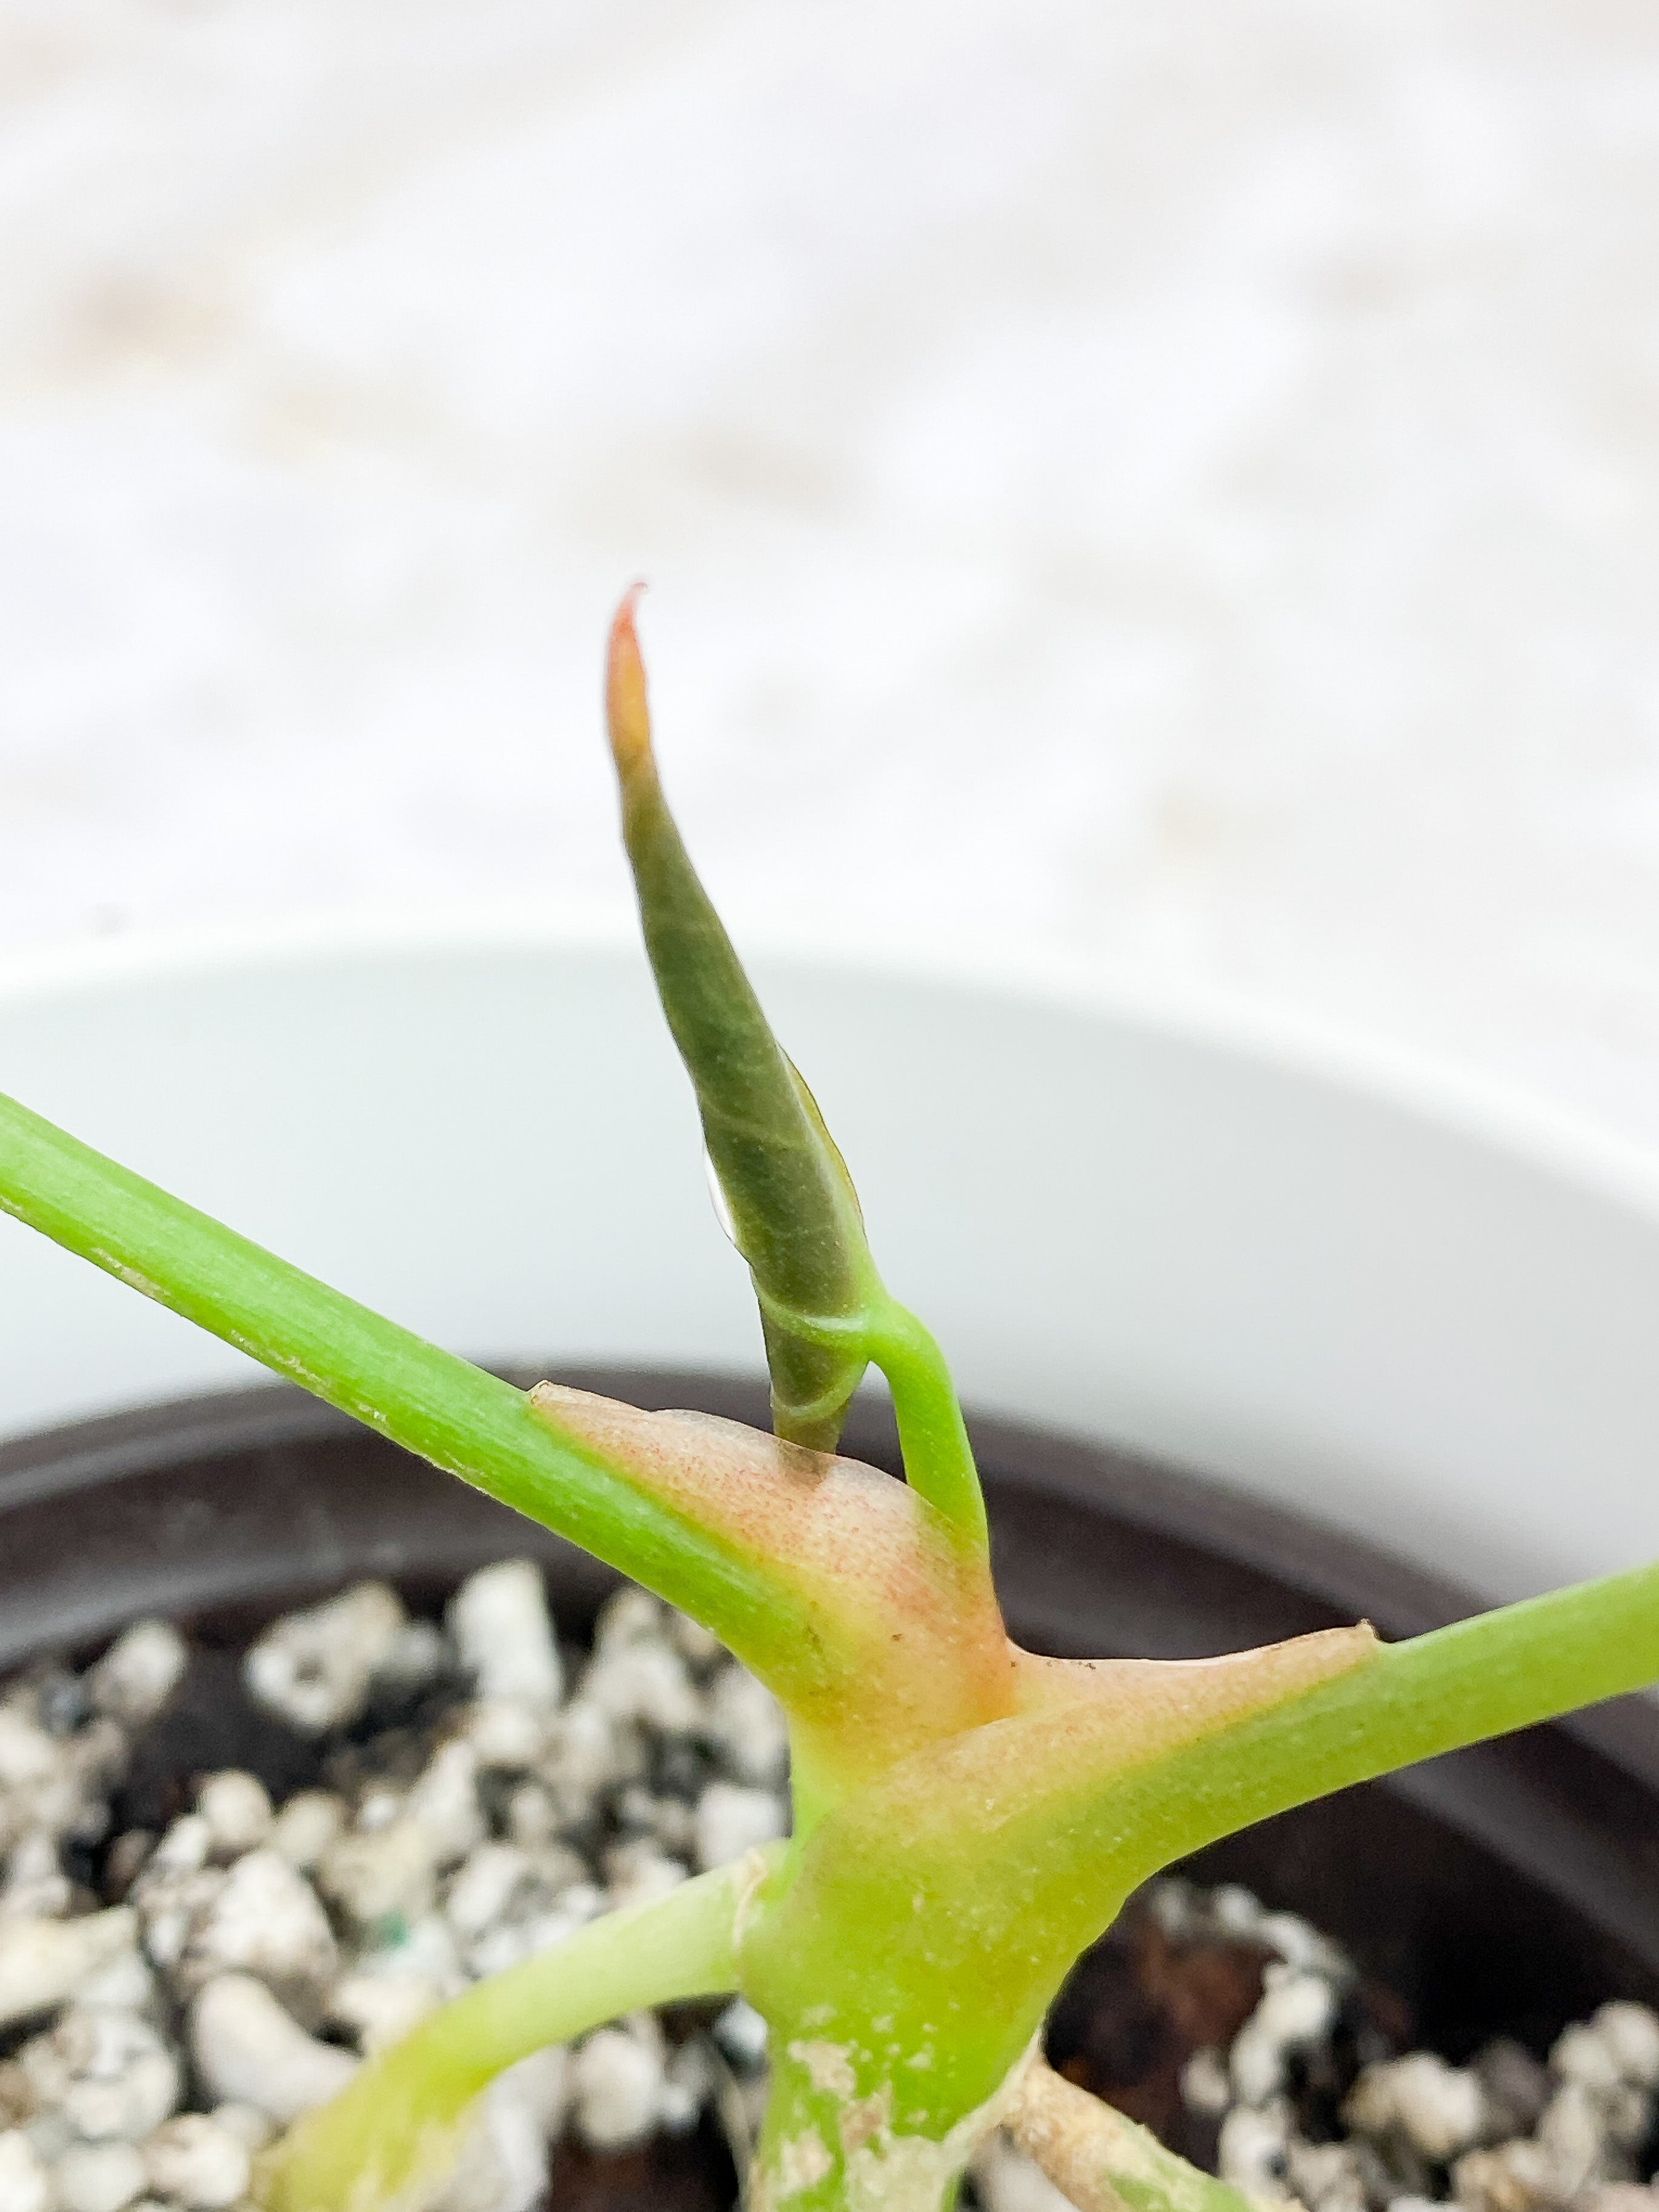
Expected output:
(1483, 1677)
(793, 1211)
(401, 2119)
(949, 1899)
(933, 1442)
(433, 1403)
(939, 1459)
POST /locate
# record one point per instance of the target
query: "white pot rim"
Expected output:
(1357, 1281)
(1420, 1085)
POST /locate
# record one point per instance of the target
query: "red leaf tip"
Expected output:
(628, 713)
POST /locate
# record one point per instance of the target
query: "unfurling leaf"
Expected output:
(793, 1211)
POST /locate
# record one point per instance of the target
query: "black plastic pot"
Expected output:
(1506, 1889)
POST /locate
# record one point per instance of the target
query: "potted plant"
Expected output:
(967, 1816)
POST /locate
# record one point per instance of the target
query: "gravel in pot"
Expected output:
(371, 1765)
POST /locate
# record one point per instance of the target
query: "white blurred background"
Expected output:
(1169, 492)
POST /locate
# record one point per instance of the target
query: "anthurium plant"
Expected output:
(968, 1816)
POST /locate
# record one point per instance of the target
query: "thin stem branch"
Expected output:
(401, 2118)
(425, 1399)
(1104, 2162)
(1506, 1669)
(939, 1459)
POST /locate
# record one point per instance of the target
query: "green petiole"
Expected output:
(1510, 1668)
(428, 1399)
(402, 2117)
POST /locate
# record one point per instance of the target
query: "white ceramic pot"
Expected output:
(1425, 1315)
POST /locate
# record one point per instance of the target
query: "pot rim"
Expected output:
(1418, 1084)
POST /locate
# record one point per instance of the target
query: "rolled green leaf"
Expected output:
(789, 1201)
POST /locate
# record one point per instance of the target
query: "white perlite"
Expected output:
(647, 1682)
(1502, 2135)
(499, 1621)
(380, 2009)
(42, 1962)
(638, 1873)
(1205, 2084)
(248, 2050)
(731, 1820)
(444, 1801)
(503, 2162)
(1631, 2035)
(109, 2073)
(481, 1890)
(505, 1737)
(373, 1874)
(236, 1808)
(263, 1918)
(98, 2177)
(416, 1656)
(617, 2087)
(632, 1615)
(582, 1755)
(359, 1907)
(25, 2183)
(1295, 2011)
(741, 2033)
(252, 2128)
(56, 1786)
(134, 1679)
(306, 1825)
(1440, 2109)
(746, 1722)
(128, 1983)
(199, 2164)
(35, 1885)
(1251, 2150)
(314, 1670)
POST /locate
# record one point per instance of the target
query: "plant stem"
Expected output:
(848, 2126)
(400, 2119)
(939, 1459)
(1482, 1677)
(1014, 1844)
(1104, 2162)
(425, 1399)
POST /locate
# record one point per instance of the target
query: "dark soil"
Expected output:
(1139, 2004)
(685, 2173)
